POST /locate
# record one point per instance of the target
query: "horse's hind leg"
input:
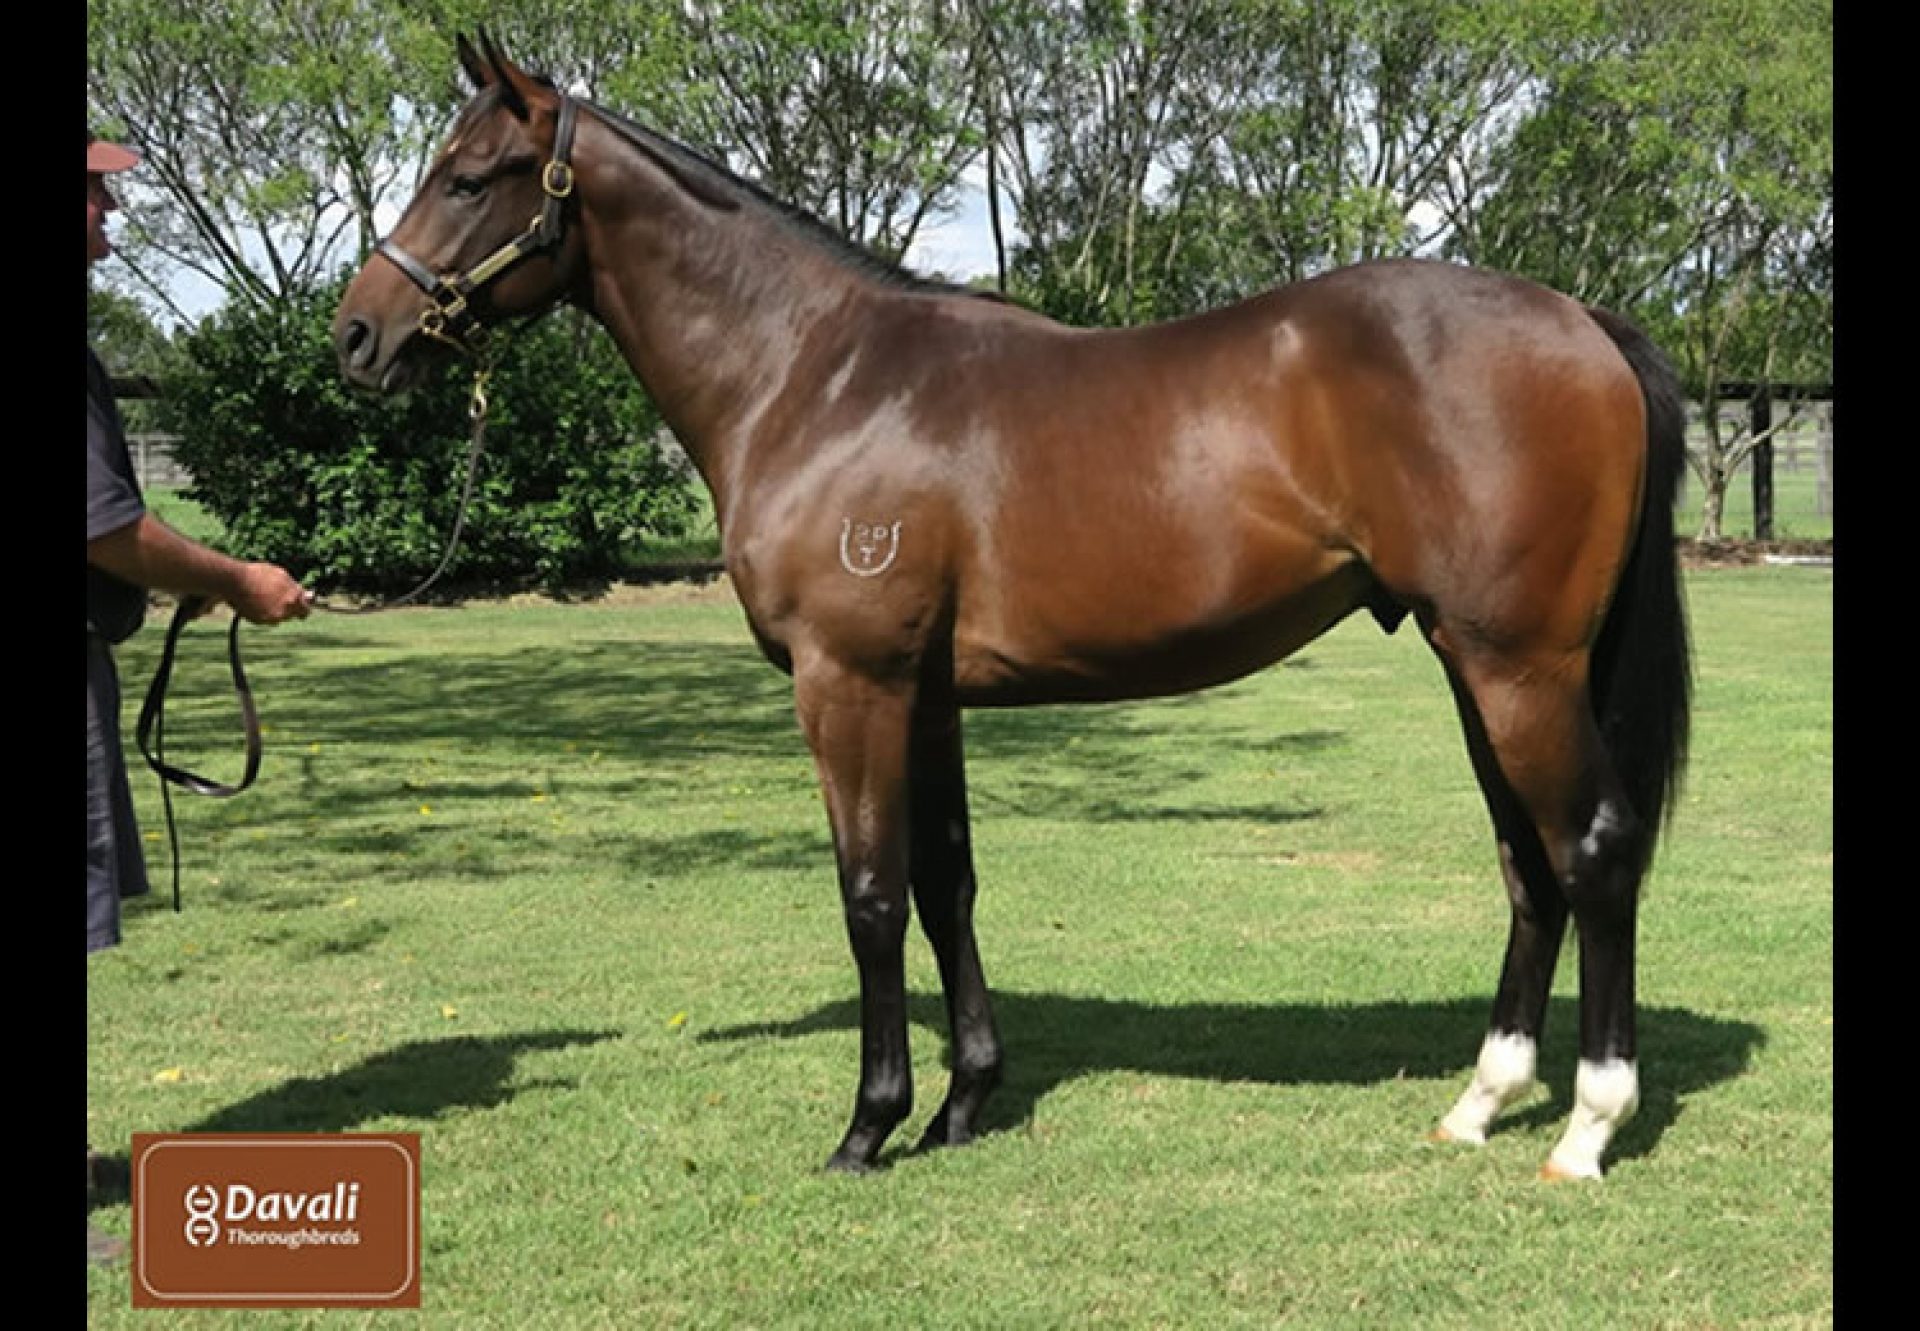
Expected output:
(943, 892)
(1547, 755)
(1508, 1058)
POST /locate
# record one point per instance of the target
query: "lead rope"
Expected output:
(150, 732)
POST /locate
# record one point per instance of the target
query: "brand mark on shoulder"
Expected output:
(868, 549)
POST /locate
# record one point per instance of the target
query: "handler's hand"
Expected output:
(268, 594)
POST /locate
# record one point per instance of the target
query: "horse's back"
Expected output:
(1181, 503)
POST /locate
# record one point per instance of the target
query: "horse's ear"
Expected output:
(513, 83)
(471, 62)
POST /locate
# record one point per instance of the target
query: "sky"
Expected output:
(960, 245)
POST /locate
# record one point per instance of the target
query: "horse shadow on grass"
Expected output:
(423, 1079)
(1051, 1039)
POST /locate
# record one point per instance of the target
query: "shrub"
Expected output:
(357, 492)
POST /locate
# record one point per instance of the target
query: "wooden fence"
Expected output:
(1784, 490)
(154, 464)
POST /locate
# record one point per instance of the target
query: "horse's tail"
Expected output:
(1642, 676)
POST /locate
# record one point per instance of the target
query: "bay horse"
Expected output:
(931, 500)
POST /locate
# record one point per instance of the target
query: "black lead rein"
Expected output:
(151, 731)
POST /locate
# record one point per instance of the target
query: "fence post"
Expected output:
(1760, 420)
(1823, 465)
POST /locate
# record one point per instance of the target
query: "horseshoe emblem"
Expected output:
(868, 549)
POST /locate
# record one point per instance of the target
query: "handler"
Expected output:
(129, 552)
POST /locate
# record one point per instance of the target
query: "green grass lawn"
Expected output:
(184, 514)
(550, 885)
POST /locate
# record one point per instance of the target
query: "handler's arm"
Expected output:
(148, 553)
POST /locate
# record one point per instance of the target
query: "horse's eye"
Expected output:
(467, 186)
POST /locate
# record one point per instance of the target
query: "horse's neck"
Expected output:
(711, 306)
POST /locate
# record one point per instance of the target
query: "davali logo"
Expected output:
(203, 1228)
(276, 1220)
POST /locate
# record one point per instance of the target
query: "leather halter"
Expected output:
(449, 315)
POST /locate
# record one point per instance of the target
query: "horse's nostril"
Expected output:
(357, 343)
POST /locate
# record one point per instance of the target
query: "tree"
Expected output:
(1678, 168)
(130, 344)
(1167, 159)
(1754, 301)
(279, 135)
(125, 337)
(591, 48)
(268, 133)
(1372, 118)
(857, 112)
(1091, 106)
(1671, 159)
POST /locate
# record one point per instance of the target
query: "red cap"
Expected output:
(103, 156)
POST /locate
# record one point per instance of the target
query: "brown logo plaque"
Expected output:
(276, 1220)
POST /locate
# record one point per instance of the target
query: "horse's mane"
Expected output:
(720, 187)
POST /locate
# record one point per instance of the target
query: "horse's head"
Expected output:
(488, 236)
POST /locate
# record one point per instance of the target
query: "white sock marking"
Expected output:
(1502, 1075)
(1604, 1096)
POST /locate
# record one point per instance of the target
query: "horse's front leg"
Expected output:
(858, 728)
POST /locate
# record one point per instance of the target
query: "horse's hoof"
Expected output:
(1454, 1137)
(841, 1163)
(1555, 1172)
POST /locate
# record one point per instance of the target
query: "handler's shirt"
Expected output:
(114, 608)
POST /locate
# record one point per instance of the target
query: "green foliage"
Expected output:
(1676, 164)
(124, 336)
(1166, 160)
(856, 111)
(359, 492)
(128, 342)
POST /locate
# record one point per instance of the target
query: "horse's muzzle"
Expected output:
(358, 345)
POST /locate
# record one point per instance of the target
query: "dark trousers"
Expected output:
(116, 864)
